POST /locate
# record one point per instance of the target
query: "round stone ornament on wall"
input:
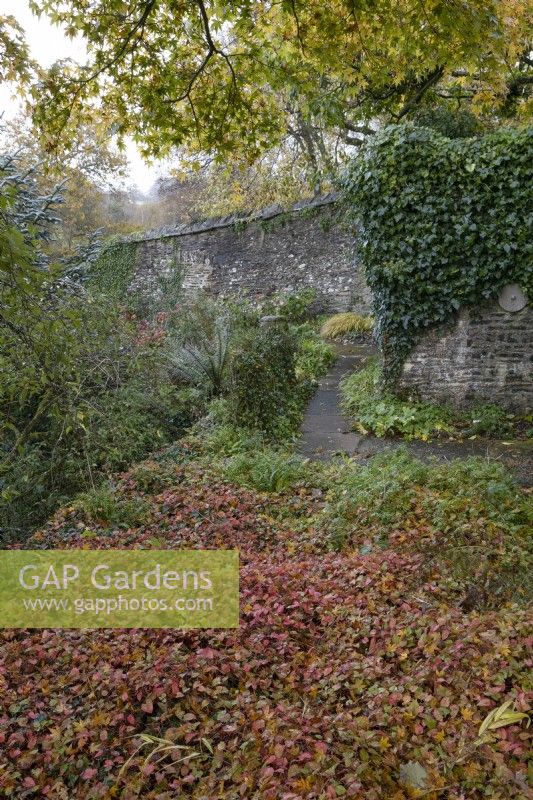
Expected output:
(512, 298)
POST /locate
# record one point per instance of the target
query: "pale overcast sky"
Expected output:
(48, 44)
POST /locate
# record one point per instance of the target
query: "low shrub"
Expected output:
(467, 517)
(224, 439)
(263, 388)
(344, 324)
(294, 308)
(153, 476)
(137, 419)
(215, 436)
(488, 420)
(112, 401)
(384, 414)
(179, 452)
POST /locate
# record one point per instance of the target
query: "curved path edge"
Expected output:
(326, 432)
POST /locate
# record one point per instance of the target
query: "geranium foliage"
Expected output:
(346, 677)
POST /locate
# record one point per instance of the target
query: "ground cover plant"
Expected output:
(468, 515)
(382, 413)
(353, 674)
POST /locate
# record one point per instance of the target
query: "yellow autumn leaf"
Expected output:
(403, 655)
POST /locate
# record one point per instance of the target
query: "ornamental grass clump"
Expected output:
(107, 506)
(347, 323)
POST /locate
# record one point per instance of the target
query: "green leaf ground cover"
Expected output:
(384, 414)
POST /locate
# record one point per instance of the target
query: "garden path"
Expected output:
(327, 432)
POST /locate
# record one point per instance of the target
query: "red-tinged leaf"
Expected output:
(207, 652)
(89, 773)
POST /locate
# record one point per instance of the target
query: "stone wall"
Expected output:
(485, 357)
(257, 255)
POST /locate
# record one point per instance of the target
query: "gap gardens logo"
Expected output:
(119, 589)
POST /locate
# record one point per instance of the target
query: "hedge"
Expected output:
(443, 224)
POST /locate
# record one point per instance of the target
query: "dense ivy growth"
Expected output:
(443, 224)
(113, 274)
(113, 270)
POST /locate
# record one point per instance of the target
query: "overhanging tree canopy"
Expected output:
(219, 75)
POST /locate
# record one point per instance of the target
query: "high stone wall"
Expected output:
(258, 255)
(483, 356)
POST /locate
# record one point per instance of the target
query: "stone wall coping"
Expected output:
(270, 212)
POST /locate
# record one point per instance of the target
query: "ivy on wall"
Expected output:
(443, 224)
(113, 270)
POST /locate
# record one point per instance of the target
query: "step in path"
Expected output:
(326, 432)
